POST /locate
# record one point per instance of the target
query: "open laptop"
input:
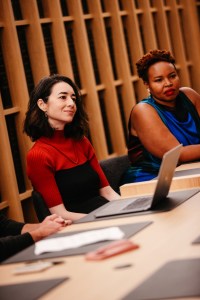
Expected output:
(164, 179)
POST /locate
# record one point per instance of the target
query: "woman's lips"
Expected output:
(170, 92)
(69, 111)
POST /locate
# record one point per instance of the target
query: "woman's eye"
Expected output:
(64, 97)
(173, 76)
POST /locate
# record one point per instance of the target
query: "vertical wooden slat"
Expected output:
(148, 26)
(53, 10)
(88, 79)
(192, 41)
(19, 95)
(106, 75)
(121, 56)
(178, 42)
(161, 26)
(136, 48)
(9, 189)
(35, 41)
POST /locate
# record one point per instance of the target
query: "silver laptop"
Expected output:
(164, 179)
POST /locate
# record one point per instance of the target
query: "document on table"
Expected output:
(78, 240)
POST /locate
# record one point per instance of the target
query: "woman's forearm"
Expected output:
(65, 214)
(108, 193)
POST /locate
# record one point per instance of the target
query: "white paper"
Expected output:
(78, 240)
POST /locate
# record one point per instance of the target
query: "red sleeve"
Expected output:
(40, 166)
(94, 162)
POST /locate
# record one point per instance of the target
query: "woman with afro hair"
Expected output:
(168, 117)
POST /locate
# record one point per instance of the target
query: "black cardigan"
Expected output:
(11, 239)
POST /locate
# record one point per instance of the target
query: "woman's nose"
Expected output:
(70, 101)
(168, 82)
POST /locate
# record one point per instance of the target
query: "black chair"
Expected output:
(40, 206)
(113, 169)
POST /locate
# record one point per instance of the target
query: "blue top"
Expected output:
(182, 121)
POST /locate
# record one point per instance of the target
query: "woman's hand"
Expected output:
(108, 193)
(50, 225)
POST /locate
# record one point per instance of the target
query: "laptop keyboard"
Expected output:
(140, 203)
(117, 207)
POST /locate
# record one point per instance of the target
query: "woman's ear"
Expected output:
(147, 86)
(42, 105)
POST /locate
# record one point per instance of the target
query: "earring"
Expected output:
(46, 115)
(148, 90)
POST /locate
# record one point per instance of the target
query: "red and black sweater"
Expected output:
(66, 171)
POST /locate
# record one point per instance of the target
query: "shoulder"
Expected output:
(143, 107)
(38, 152)
(143, 114)
(192, 95)
(187, 90)
(85, 142)
(86, 147)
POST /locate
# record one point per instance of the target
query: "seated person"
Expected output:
(16, 236)
(62, 164)
(168, 117)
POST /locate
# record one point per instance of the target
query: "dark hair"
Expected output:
(151, 58)
(36, 124)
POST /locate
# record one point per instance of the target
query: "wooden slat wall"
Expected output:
(95, 42)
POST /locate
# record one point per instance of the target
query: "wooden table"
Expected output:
(169, 237)
(178, 183)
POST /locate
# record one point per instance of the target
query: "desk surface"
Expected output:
(169, 237)
(178, 183)
(191, 165)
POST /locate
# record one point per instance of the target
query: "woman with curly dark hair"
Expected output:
(168, 117)
(62, 165)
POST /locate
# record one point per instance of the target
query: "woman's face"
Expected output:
(61, 105)
(163, 83)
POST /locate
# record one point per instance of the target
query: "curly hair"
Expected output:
(151, 58)
(36, 124)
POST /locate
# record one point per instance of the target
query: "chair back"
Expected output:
(114, 169)
(40, 206)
